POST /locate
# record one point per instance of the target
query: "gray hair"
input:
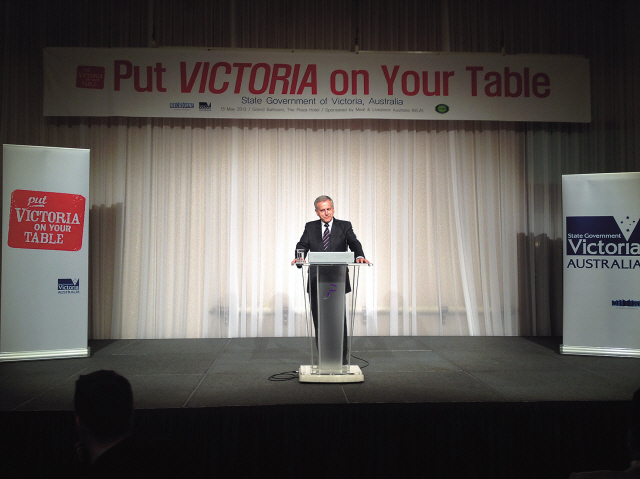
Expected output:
(320, 199)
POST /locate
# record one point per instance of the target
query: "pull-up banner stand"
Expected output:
(45, 261)
(601, 264)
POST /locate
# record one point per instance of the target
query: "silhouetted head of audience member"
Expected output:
(634, 426)
(103, 404)
(634, 447)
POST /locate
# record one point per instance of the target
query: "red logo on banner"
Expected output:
(90, 77)
(45, 220)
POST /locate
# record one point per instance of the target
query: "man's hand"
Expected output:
(362, 260)
(296, 261)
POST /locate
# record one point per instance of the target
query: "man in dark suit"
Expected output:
(328, 234)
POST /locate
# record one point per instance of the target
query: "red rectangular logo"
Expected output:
(90, 77)
(46, 220)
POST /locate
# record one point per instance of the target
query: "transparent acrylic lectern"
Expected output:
(325, 277)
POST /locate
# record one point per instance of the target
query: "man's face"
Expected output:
(324, 210)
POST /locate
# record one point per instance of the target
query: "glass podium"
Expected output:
(325, 278)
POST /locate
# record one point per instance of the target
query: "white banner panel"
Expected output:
(45, 260)
(601, 264)
(273, 84)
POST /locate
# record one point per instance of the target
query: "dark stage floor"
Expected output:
(188, 373)
(499, 407)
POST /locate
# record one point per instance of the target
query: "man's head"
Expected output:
(103, 403)
(324, 208)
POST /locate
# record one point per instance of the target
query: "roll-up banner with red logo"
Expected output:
(601, 264)
(274, 84)
(45, 262)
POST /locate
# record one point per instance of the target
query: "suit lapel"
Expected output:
(317, 234)
(335, 230)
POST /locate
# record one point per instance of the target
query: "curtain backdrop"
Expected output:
(194, 222)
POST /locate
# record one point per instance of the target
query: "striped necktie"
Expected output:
(325, 237)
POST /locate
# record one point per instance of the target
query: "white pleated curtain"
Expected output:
(204, 217)
(194, 222)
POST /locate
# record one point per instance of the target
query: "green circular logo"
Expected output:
(442, 108)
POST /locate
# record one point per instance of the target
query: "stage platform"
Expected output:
(428, 406)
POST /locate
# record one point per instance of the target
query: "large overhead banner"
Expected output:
(273, 84)
(601, 264)
(45, 260)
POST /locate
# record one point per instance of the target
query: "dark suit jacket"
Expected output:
(342, 239)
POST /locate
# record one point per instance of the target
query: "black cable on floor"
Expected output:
(286, 376)
(360, 359)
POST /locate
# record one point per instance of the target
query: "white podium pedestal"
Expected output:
(310, 374)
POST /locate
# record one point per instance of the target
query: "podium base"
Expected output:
(45, 354)
(309, 374)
